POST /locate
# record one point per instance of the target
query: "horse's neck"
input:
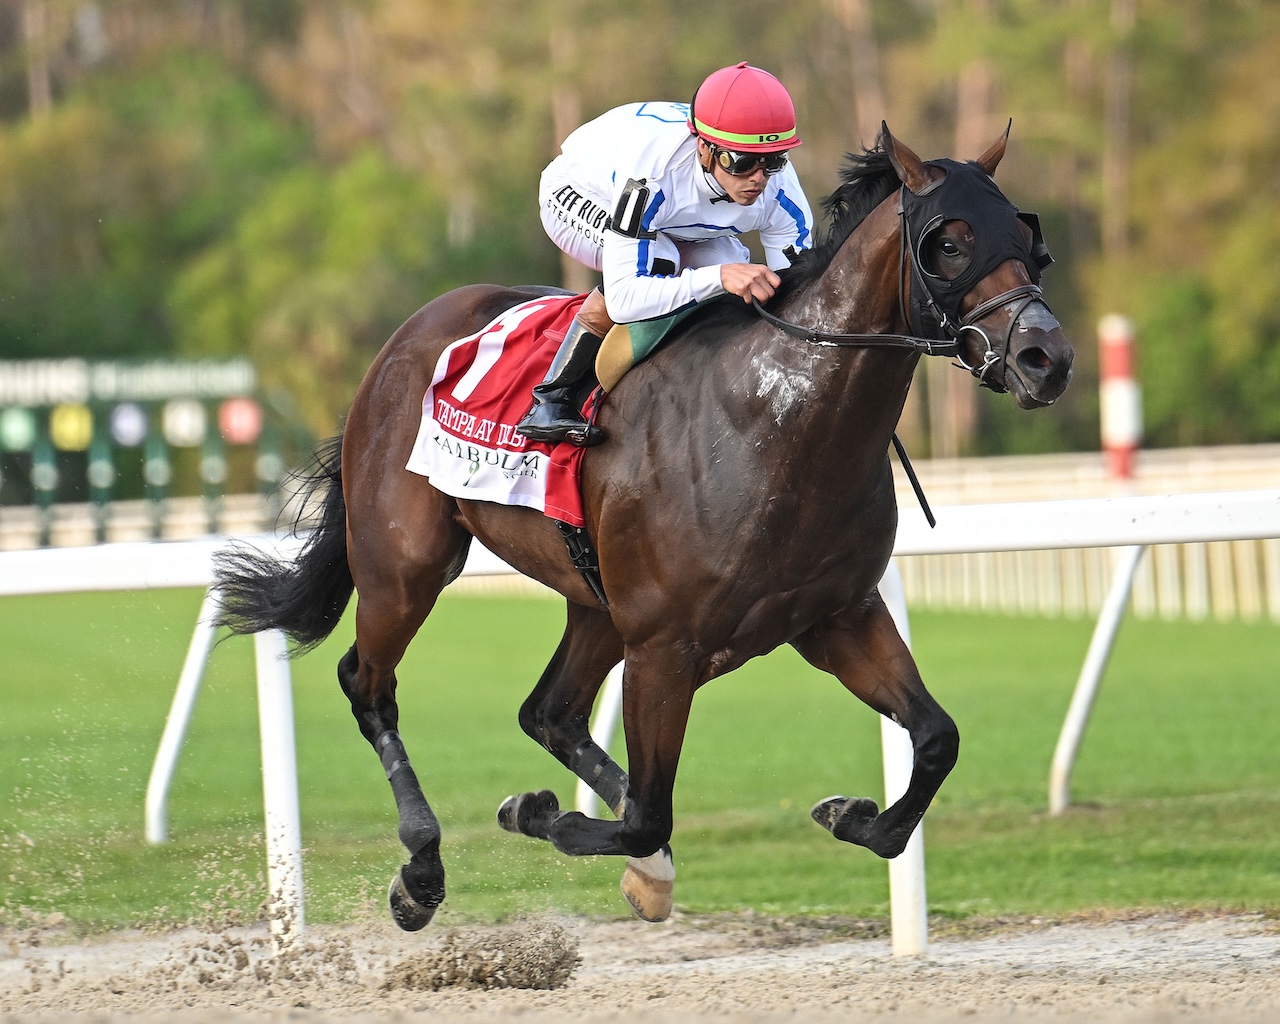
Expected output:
(859, 290)
(860, 392)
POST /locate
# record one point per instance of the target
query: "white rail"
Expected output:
(908, 904)
(1086, 691)
(1091, 523)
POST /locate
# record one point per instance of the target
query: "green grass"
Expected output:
(1177, 787)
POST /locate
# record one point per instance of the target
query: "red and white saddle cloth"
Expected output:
(467, 444)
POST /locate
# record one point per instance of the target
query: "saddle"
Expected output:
(628, 344)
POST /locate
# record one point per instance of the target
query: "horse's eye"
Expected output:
(948, 248)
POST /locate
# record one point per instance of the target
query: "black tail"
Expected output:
(306, 597)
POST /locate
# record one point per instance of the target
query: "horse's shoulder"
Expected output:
(697, 379)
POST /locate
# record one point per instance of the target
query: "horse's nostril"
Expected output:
(1034, 358)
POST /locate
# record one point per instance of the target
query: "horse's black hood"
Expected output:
(967, 193)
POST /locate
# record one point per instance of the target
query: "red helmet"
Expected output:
(745, 109)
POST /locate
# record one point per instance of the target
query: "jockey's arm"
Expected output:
(640, 265)
(790, 226)
(640, 282)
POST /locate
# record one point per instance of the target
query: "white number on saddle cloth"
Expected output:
(492, 340)
(467, 445)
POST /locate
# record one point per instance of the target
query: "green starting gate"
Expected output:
(72, 430)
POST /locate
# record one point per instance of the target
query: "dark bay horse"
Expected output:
(744, 500)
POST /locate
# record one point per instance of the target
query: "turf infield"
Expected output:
(1177, 786)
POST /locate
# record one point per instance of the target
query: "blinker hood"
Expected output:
(966, 193)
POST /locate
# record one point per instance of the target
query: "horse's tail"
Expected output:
(307, 596)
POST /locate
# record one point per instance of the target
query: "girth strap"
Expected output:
(582, 552)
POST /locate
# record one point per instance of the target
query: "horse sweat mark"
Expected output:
(782, 388)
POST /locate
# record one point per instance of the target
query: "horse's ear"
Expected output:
(910, 168)
(990, 160)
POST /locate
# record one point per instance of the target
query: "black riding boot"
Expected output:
(554, 416)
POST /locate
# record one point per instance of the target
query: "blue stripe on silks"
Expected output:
(727, 228)
(798, 216)
(651, 211)
(681, 109)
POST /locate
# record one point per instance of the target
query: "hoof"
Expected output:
(507, 813)
(526, 812)
(845, 818)
(407, 912)
(648, 884)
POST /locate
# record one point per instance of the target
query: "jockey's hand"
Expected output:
(749, 281)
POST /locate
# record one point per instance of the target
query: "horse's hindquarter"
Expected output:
(727, 518)
(397, 522)
(386, 411)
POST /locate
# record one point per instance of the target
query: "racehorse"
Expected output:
(744, 500)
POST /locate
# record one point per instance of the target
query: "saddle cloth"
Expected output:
(467, 445)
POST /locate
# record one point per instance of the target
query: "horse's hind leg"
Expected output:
(864, 651)
(397, 591)
(556, 715)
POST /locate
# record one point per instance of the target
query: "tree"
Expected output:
(163, 165)
(103, 200)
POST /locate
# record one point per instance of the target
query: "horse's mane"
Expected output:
(866, 180)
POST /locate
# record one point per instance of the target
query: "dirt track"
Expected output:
(748, 968)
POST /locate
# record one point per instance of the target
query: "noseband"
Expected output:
(994, 357)
(933, 309)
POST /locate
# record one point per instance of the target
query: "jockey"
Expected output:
(654, 195)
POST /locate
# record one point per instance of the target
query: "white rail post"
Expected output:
(175, 725)
(1095, 663)
(279, 789)
(908, 904)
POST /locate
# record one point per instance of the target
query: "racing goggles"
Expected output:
(740, 164)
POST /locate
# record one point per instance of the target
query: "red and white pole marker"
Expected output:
(1121, 397)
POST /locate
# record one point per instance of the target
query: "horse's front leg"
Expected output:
(556, 715)
(655, 729)
(862, 648)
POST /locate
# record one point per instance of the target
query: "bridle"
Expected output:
(993, 357)
(919, 303)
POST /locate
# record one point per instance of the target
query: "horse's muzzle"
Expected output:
(1038, 372)
(1038, 362)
